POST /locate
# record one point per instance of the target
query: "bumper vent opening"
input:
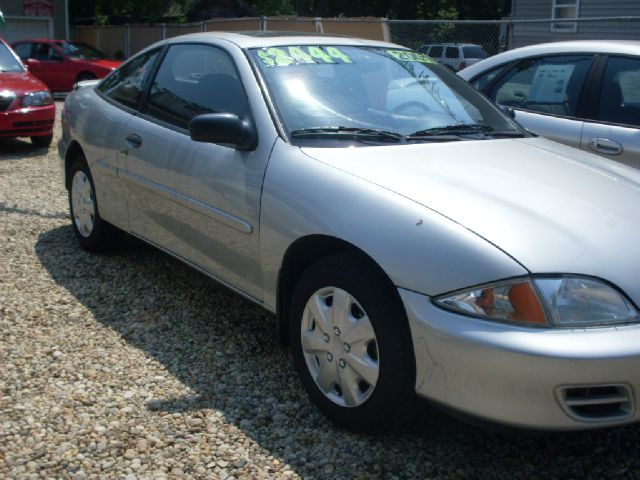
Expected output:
(597, 403)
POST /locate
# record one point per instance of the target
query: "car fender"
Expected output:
(418, 248)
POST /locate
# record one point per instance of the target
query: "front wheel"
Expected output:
(85, 76)
(93, 233)
(351, 343)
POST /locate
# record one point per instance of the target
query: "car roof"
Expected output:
(274, 39)
(43, 40)
(620, 47)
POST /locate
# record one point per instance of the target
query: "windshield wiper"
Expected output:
(466, 129)
(456, 129)
(357, 133)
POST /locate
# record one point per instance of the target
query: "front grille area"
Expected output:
(38, 123)
(597, 403)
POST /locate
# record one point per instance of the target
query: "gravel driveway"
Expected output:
(132, 365)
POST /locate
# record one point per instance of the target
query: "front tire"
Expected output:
(93, 233)
(351, 343)
(85, 76)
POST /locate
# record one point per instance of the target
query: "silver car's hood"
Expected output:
(553, 208)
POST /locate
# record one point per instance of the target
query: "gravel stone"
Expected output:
(133, 366)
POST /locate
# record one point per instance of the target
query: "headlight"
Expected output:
(37, 99)
(567, 301)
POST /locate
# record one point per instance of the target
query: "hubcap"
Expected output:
(340, 347)
(82, 203)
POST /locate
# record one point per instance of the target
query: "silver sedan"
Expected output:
(409, 236)
(582, 93)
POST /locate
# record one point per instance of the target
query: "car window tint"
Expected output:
(550, 85)
(452, 52)
(435, 52)
(23, 50)
(620, 97)
(126, 84)
(193, 80)
(481, 81)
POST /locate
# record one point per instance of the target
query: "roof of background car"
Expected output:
(622, 47)
(274, 39)
(29, 40)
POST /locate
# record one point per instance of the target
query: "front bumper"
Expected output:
(551, 379)
(27, 122)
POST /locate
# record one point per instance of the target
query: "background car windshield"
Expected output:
(8, 62)
(374, 88)
(82, 51)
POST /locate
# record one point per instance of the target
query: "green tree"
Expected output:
(136, 10)
(272, 7)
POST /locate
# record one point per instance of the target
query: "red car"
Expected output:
(60, 64)
(26, 105)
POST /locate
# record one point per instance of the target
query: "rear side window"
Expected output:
(550, 85)
(452, 52)
(435, 52)
(193, 80)
(23, 50)
(620, 97)
(474, 51)
(126, 84)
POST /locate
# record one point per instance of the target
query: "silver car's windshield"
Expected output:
(374, 94)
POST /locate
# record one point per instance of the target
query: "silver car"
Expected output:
(409, 236)
(582, 93)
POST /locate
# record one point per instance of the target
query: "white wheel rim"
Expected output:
(340, 347)
(82, 203)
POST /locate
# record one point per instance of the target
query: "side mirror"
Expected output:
(226, 129)
(508, 110)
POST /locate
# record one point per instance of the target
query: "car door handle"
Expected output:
(134, 141)
(606, 146)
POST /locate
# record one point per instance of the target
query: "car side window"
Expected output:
(436, 52)
(23, 50)
(550, 85)
(126, 84)
(620, 95)
(45, 52)
(192, 80)
(481, 81)
(452, 52)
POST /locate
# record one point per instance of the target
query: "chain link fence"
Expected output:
(500, 35)
(416, 33)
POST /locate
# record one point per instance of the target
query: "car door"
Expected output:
(117, 102)
(49, 66)
(615, 130)
(199, 201)
(545, 93)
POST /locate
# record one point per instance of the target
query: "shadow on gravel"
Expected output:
(224, 349)
(17, 149)
(31, 212)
